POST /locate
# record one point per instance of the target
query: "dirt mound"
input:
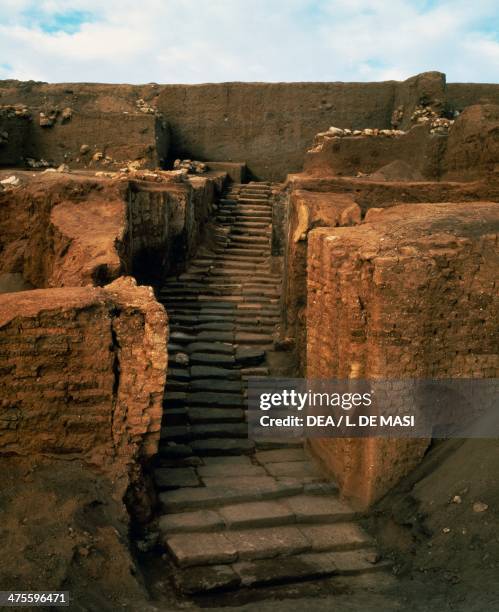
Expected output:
(473, 144)
(441, 526)
(62, 530)
(397, 170)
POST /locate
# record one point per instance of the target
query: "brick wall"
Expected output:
(411, 295)
(307, 210)
(82, 373)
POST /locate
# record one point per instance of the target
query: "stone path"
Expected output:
(236, 513)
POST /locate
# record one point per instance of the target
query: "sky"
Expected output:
(199, 41)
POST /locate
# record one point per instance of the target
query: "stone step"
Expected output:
(180, 374)
(213, 497)
(253, 225)
(211, 359)
(250, 240)
(175, 416)
(174, 451)
(212, 398)
(253, 338)
(249, 357)
(348, 556)
(209, 384)
(222, 446)
(263, 572)
(242, 229)
(243, 250)
(174, 478)
(196, 327)
(244, 215)
(206, 370)
(216, 336)
(204, 414)
(219, 430)
(210, 347)
(227, 216)
(236, 258)
(203, 431)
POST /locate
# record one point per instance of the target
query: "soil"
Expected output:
(62, 530)
(446, 553)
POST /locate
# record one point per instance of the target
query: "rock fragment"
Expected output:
(192, 167)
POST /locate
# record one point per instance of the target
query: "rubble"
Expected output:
(335, 132)
(146, 108)
(480, 507)
(84, 149)
(427, 115)
(11, 181)
(4, 138)
(397, 116)
(192, 167)
(157, 176)
(48, 119)
(36, 163)
(66, 115)
(15, 110)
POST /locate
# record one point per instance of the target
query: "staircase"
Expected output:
(234, 512)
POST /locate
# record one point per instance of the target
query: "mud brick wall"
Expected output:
(267, 125)
(165, 223)
(73, 230)
(412, 294)
(384, 194)
(473, 145)
(82, 373)
(307, 210)
(119, 136)
(350, 155)
(461, 95)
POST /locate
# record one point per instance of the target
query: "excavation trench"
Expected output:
(232, 513)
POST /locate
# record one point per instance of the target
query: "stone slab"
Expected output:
(220, 430)
(221, 470)
(265, 543)
(220, 385)
(210, 398)
(294, 469)
(213, 359)
(174, 451)
(314, 508)
(197, 580)
(351, 563)
(256, 514)
(336, 537)
(209, 414)
(203, 549)
(239, 481)
(200, 520)
(221, 446)
(287, 569)
(170, 478)
(227, 461)
(207, 371)
(281, 454)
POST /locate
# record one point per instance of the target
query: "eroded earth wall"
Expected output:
(410, 293)
(61, 230)
(268, 125)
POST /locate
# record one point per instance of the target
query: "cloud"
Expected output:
(223, 40)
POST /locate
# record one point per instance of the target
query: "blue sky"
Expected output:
(192, 41)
